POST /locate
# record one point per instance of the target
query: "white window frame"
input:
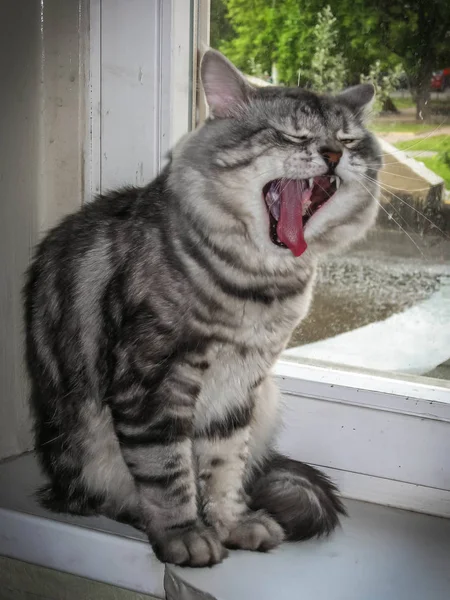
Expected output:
(316, 394)
(353, 396)
(143, 79)
(383, 438)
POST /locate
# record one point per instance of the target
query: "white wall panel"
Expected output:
(139, 87)
(41, 167)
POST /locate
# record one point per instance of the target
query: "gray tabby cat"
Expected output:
(154, 316)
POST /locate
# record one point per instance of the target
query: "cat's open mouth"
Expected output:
(291, 203)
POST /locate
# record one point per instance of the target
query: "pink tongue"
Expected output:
(290, 223)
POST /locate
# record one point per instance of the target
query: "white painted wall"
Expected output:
(139, 88)
(41, 103)
(94, 93)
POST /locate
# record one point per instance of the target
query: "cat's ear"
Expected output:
(226, 88)
(359, 98)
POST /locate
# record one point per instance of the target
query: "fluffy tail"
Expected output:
(299, 497)
(57, 500)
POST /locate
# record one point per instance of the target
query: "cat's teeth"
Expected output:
(338, 182)
(311, 182)
(305, 207)
(332, 179)
(275, 210)
(273, 203)
(274, 196)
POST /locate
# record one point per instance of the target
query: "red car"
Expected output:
(441, 80)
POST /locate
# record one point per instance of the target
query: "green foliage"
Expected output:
(386, 126)
(268, 32)
(435, 143)
(328, 72)
(439, 164)
(284, 32)
(221, 29)
(263, 32)
(402, 103)
(384, 82)
(254, 68)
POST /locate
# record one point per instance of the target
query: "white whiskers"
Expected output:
(392, 218)
(407, 204)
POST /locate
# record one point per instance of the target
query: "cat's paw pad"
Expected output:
(255, 531)
(195, 547)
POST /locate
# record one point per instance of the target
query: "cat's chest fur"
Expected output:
(241, 359)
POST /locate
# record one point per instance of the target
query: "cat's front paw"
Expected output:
(255, 531)
(194, 547)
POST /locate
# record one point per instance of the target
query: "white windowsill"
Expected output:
(388, 447)
(383, 439)
(389, 389)
(379, 552)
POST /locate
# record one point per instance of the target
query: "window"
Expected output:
(383, 306)
(366, 377)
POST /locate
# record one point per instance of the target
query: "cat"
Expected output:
(154, 315)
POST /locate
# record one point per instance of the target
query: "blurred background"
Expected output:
(385, 305)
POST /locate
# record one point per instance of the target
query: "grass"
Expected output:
(402, 103)
(436, 102)
(443, 102)
(381, 126)
(440, 163)
(439, 167)
(435, 143)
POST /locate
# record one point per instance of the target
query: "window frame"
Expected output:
(315, 393)
(325, 405)
(382, 439)
(391, 390)
(330, 380)
(165, 93)
(306, 387)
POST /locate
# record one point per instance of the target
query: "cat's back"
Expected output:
(106, 230)
(120, 216)
(88, 257)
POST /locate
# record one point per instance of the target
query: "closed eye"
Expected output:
(296, 139)
(349, 141)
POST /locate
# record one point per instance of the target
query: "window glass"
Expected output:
(384, 304)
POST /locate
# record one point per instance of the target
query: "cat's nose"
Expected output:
(331, 157)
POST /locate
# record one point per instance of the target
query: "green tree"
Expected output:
(415, 33)
(385, 83)
(328, 72)
(282, 32)
(221, 29)
(419, 33)
(268, 32)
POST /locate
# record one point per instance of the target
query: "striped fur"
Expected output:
(153, 318)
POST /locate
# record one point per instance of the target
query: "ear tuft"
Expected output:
(226, 88)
